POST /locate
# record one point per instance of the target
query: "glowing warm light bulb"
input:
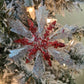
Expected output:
(51, 20)
(72, 42)
(48, 20)
(64, 64)
(31, 11)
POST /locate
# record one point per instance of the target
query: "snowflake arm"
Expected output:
(21, 29)
(39, 66)
(18, 53)
(61, 57)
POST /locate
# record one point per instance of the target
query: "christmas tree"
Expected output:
(34, 47)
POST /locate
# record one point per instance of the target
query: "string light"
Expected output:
(50, 20)
(31, 11)
(72, 42)
(64, 64)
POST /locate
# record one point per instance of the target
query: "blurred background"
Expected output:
(74, 18)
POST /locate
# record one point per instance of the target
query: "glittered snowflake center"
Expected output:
(41, 42)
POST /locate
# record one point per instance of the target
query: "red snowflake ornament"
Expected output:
(41, 40)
